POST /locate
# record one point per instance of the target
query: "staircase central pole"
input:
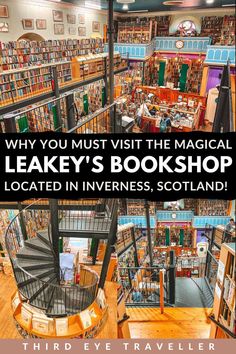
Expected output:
(111, 31)
(149, 237)
(22, 221)
(54, 237)
(110, 247)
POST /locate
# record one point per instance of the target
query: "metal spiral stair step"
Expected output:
(31, 291)
(38, 274)
(38, 245)
(27, 253)
(33, 264)
(44, 237)
(43, 299)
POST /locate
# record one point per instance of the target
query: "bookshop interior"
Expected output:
(117, 268)
(103, 66)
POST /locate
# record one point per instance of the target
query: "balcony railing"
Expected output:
(142, 285)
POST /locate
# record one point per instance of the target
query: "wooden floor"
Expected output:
(7, 326)
(144, 322)
(174, 323)
(109, 331)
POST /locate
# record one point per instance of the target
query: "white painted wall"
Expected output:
(38, 9)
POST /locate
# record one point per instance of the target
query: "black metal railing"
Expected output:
(56, 298)
(52, 109)
(142, 285)
(215, 236)
(52, 115)
(99, 122)
(93, 219)
(222, 327)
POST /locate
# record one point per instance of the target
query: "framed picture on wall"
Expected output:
(82, 31)
(4, 13)
(58, 28)
(72, 31)
(28, 24)
(4, 27)
(57, 16)
(96, 26)
(71, 19)
(81, 19)
(41, 24)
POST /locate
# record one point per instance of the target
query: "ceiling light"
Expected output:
(173, 3)
(125, 1)
(210, 1)
(93, 4)
(138, 11)
(125, 7)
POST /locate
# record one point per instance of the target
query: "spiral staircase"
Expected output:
(36, 263)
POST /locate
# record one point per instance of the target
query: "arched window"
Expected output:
(187, 28)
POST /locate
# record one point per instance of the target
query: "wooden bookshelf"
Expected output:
(142, 30)
(136, 30)
(136, 207)
(35, 220)
(163, 24)
(228, 31)
(172, 72)
(5, 218)
(90, 66)
(220, 29)
(124, 237)
(211, 26)
(194, 76)
(17, 85)
(74, 329)
(22, 54)
(190, 204)
(224, 297)
(178, 235)
(211, 207)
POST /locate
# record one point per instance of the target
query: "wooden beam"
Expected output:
(162, 271)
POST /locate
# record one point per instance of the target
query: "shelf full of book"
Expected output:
(22, 54)
(174, 235)
(213, 207)
(224, 297)
(136, 30)
(136, 207)
(220, 29)
(19, 85)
